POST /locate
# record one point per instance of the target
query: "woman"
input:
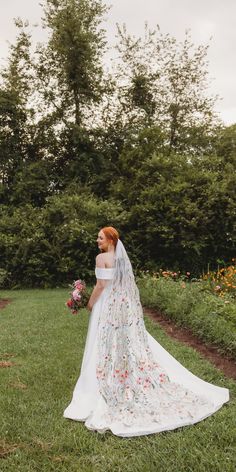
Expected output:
(129, 383)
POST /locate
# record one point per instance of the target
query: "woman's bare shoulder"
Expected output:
(100, 260)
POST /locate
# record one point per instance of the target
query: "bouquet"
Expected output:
(78, 297)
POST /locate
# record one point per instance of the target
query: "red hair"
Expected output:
(111, 234)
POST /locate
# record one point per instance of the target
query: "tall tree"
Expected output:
(70, 65)
(165, 82)
(69, 72)
(15, 109)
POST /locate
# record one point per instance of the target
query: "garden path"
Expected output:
(226, 364)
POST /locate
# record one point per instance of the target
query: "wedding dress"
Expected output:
(129, 383)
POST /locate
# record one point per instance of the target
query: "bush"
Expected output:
(191, 306)
(51, 246)
(3, 277)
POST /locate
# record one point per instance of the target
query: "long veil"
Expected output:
(134, 386)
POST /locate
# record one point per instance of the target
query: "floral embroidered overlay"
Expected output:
(128, 383)
(135, 387)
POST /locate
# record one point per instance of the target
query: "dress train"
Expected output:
(183, 400)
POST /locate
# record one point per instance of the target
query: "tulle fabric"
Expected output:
(129, 384)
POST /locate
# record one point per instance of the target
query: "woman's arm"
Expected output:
(100, 285)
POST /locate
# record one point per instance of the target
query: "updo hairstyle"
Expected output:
(111, 234)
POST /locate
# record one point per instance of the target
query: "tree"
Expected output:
(181, 212)
(16, 112)
(12, 150)
(70, 68)
(226, 143)
(70, 83)
(163, 82)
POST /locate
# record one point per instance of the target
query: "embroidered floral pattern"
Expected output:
(135, 387)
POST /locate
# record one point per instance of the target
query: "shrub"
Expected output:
(51, 246)
(190, 305)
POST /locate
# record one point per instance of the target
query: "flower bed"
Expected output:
(193, 305)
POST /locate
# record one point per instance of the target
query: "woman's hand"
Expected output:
(89, 306)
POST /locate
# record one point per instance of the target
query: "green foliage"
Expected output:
(3, 277)
(74, 52)
(141, 144)
(79, 161)
(56, 244)
(161, 80)
(16, 113)
(31, 184)
(12, 136)
(182, 212)
(226, 143)
(192, 306)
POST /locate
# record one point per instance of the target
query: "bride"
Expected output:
(129, 383)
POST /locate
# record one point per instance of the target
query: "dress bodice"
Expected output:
(104, 273)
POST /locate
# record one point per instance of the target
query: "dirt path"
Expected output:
(4, 302)
(226, 364)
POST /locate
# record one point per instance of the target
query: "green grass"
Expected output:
(208, 316)
(46, 343)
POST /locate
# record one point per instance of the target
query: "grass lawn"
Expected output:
(45, 343)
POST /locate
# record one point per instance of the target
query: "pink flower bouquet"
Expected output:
(78, 297)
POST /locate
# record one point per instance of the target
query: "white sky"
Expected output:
(205, 18)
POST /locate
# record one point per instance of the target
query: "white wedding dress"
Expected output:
(177, 399)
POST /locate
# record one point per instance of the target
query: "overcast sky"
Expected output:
(205, 18)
